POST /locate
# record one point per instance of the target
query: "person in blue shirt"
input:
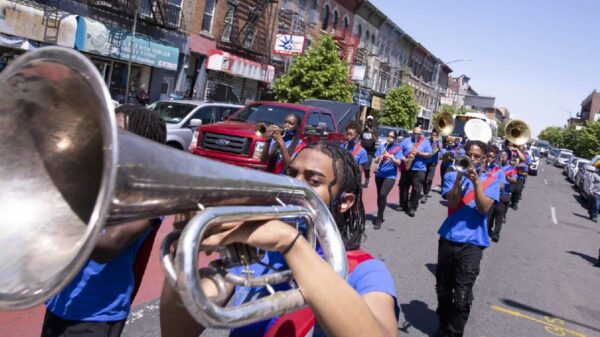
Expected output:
(367, 293)
(368, 140)
(436, 148)
(387, 158)
(463, 237)
(496, 216)
(448, 153)
(413, 173)
(353, 145)
(522, 171)
(284, 143)
(98, 299)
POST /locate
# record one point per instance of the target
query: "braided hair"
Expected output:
(346, 173)
(143, 122)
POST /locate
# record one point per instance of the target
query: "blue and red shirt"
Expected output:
(357, 151)
(419, 163)
(387, 168)
(466, 224)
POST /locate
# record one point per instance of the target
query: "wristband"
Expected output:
(288, 248)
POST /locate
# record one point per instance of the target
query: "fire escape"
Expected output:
(253, 37)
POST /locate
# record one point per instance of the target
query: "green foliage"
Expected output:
(400, 108)
(448, 108)
(584, 142)
(319, 73)
(501, 127)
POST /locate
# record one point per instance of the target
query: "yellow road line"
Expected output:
(520, 315)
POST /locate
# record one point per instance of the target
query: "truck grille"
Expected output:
(225, 143)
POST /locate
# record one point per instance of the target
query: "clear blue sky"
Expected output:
(537, 57)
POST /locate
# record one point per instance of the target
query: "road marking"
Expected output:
(545, 181)
(553, 211)
(548, 322)
(542, 169)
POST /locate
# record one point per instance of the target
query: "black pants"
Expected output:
(497, 216)
(444, 170)
(457, 270)
(429, 175)
(55, 326)
(384, 186)
(416, 180)
(516, 192)
(367, 166)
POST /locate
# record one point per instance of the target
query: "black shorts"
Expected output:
(55, 326)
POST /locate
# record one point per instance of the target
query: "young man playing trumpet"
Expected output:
(463, 237)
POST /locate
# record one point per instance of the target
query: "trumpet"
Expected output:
(517, 132)
(444, 124)
(461, 163)
(52, 218)
(262, 130)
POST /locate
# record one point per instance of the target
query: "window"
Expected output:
(205, 114)
(346, 25)
(302, 5)
(334, 21)
(328, 119)
(224, 112)
(228, 23)
(325, 23)
(313, 119)
(209, 13)
(359, 32)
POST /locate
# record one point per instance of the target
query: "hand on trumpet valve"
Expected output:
(273, 131)
(472, 175)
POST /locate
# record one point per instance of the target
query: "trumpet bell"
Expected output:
(444, 124)
(517, 132)
(462, 163)
(260, 130)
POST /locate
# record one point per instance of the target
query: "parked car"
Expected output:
(235, 141)
(534, 157)
(382, 131)
(572, 171)
(562, 159)
(183, 117)
(584, 191)
(552, 155)
(543, 146)
(581, 171)
(570, 163)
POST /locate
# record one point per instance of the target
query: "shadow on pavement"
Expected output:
(588, 258)
(582, 201)
(418, 315)
(444, 203)
(431, 267)
(581, 216)
(525, 307)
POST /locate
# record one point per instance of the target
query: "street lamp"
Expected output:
(437, 78)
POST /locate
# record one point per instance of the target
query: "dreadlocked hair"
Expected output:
(143, 122)
(483, 146)
(346, 174)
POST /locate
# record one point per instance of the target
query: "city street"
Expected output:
(537, 281)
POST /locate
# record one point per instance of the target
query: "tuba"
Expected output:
(475, 129)
(444, 124)
(517, 132)
(67, 171)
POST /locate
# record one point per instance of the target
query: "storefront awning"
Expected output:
(96, 38)
(219, 60)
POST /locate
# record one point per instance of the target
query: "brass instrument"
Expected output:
(517, 132)
(475, 129)
(262, 130)
(444, 124)
(67, 170)
(462, 163)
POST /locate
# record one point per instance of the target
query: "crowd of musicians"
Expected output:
(97, 302)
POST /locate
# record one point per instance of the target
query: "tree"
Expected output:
(319, 73)
(553, 135)
(501, 127)
(400, 107)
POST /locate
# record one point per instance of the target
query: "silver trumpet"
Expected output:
(461, 163)
(67, 170)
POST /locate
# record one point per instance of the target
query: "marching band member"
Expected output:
(365, 304)
(416, 152)
(98, 299)
(436, 147)
(449, 152)
(368, 140)
(353, 146)
(498, 210)
(283, 143)
(595, 191)
(522, 170)
(388, 157)
(463, 237)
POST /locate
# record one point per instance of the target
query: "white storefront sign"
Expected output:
(288, 44)
(238, 66)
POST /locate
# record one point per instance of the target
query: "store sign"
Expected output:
(287, 44)
(28, 22)
(96, 38)
(219, 60)
(377, 103)
(361, 97)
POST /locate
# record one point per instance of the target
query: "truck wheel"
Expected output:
(175, 145)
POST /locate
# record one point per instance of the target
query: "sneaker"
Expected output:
(495, 237)
(424, 199)
(411, 213)
(377, 223)
(594, 219)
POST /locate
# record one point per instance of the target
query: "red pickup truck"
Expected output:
(235, 141)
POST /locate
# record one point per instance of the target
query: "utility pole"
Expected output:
(138, 3)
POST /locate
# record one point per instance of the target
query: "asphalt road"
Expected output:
(537, 281)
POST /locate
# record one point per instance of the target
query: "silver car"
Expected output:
(572, 170)
(182, 118)
(562, 159)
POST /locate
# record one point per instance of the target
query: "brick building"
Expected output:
(590, 107)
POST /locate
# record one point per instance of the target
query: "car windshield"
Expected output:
(172, 112)
(582, 164)
(265, 113)
(565, 155)
(382, 131)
